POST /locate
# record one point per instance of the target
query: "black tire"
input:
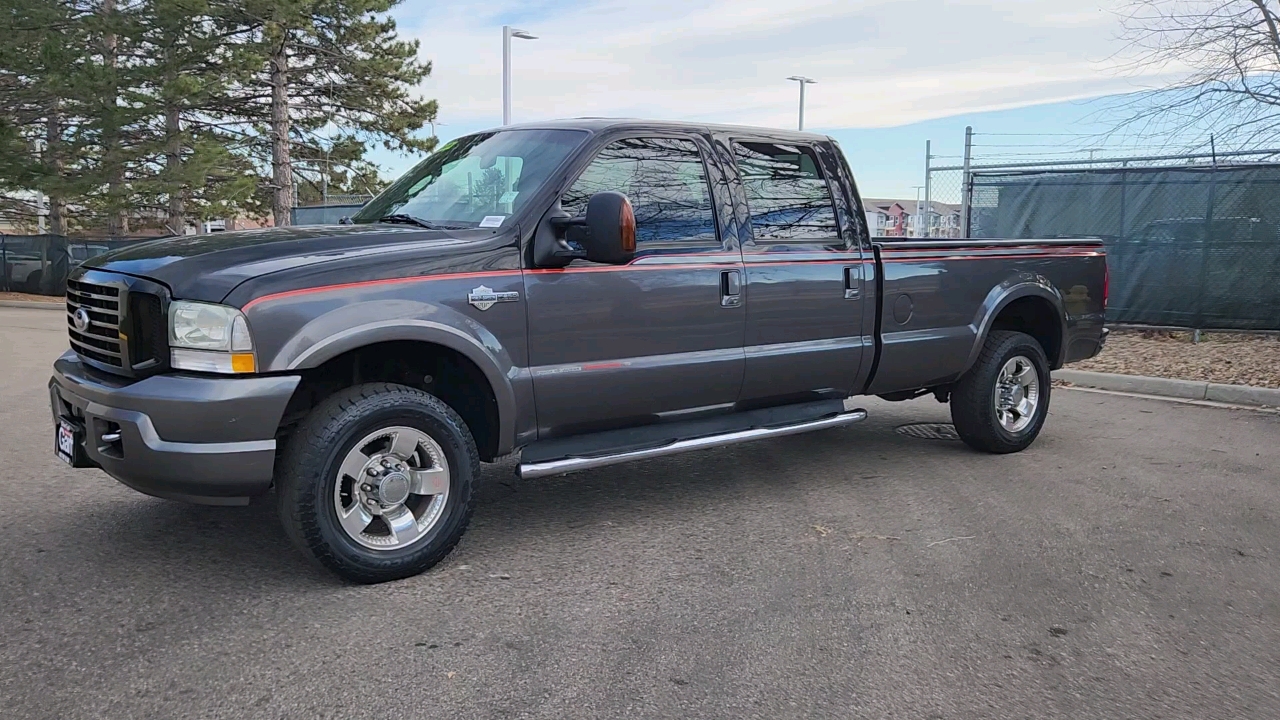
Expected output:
(973, 409)
(309, 471)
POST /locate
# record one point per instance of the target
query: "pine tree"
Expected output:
(191, 163)
(332, 64)
(128, 113)
(42, 56)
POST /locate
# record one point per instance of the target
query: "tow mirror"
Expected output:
(605, 234)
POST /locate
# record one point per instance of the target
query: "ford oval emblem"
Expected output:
(80, 318)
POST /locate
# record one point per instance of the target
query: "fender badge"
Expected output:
(485, 297)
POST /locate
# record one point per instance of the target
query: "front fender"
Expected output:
(1019, 286)
(354, 325)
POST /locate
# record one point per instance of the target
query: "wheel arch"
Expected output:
(423, 340)
(1030, 304)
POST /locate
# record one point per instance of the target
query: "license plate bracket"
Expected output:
(67, 441)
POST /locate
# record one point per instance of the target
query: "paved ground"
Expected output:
(1128, 565)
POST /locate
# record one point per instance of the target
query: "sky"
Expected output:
(890, 73)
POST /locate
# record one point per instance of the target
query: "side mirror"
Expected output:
(606, 234)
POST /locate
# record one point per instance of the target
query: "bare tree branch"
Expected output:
(1224, 56)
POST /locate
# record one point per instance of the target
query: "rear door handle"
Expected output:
(730, 288)
(852, 282)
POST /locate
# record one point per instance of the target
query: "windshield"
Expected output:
(475, 181)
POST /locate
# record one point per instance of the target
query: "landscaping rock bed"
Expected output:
(28, 297)
(1231, 358)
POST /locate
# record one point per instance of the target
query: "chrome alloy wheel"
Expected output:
(1017, 394)
(392, 488)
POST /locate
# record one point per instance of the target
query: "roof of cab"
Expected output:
(598, 124)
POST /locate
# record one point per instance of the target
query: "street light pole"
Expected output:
(40, 197)
(803, 81)
(919, 214)
(509, 32)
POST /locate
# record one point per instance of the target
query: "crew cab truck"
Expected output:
(587, 292)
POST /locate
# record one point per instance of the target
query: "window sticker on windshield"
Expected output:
(509, 196)
(492, 221)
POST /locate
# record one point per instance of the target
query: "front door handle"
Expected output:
(730, 288)
(852, 282)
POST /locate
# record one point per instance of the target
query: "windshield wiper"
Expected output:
(409, 220)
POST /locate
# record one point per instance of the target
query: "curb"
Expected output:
(1167, 387)
(31, 305)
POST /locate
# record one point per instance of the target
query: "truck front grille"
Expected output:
(100, 339)
(149, 341)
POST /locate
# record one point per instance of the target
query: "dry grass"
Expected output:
(1231, 358)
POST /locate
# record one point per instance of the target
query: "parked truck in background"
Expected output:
(586, 292)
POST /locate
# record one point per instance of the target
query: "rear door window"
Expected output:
(787, 194)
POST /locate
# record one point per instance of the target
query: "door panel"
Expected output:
(804, 278)
(613, 346)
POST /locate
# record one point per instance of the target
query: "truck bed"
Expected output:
(939, 298)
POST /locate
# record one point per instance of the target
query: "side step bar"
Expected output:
(558, 467)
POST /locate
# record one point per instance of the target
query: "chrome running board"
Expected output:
(558, 467)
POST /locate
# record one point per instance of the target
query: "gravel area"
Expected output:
(28, 297)
(1231, 358)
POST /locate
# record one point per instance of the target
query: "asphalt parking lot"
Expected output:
(1127, 565)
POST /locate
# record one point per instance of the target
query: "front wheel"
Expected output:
(1000, 404)
(376, 483)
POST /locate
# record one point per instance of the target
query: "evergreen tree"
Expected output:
(130, 113)
(42, 56)
(331, 64)
(192, 164)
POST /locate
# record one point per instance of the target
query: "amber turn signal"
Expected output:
(628, 221)
(243, 363)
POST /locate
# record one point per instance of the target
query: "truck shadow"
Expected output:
(246, 545)
(684, 488)
(200, 541)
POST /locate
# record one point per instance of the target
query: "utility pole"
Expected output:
(919, 214)
(40, 202)
(324, 180)
(928, 158)
(803, 81)
(966, 191)
(509, 32)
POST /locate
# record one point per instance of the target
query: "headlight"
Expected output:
(209, 338)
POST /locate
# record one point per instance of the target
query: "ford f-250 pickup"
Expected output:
(588, 292)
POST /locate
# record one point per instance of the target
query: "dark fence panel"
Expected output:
(40, 263)
(1193, 247)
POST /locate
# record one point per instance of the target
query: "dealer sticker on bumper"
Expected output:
(66, 437)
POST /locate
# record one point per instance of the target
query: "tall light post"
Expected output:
(803, 81)
(509, 32)
(40, 197)
(919, 212)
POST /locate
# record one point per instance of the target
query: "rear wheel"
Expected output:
(1000, 404)
(377, 482)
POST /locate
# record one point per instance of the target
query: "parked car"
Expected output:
(586, 292)
(28, 266)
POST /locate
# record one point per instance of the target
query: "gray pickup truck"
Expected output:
(586, 292)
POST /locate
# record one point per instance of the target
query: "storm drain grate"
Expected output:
(930, 431)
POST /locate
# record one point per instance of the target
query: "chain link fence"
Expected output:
(1192, 241)
(322, 214)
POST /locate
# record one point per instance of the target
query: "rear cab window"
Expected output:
(787, 195)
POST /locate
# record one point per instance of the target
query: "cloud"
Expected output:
(878, 62)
